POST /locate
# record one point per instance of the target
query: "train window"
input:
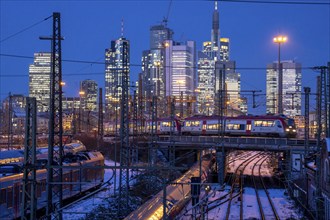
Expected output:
(166, 124)
(3, 196)
(192, 123)
(264, 123)
(235, 127)
(10, 197)
(248, 127)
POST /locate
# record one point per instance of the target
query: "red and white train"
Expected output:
(245, 125)
(80, 177)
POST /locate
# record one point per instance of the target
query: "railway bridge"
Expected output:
(293, 149)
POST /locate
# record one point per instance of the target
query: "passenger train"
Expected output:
(245, 125)
(80, 175)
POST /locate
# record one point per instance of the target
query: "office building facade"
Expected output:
(89, 96)
(117, 64)
(291, 88)
(39, 80)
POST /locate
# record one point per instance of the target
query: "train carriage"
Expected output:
(163, 126)
(267, 125)
(79, 176)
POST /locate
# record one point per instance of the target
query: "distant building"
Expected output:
(158, 35)
(89, 98)
(117, 62)
(71, 104)
(291, 88)
(232, 84)
(39, 80)
(216, 53)
(180, 72)
(224, 49)
(153, 61)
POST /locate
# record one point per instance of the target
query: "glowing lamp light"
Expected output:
(81, 93)
(280, 39)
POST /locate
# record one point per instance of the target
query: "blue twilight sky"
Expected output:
(89, 26)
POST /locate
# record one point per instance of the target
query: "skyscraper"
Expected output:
(216, 51)
(158, 35)
(39, 80)
(224, 49)
(291, 88)
(117, 62)
(153, 60)
(215, 32)
(89, 88)
(179, 68)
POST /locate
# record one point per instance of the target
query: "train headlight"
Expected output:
(287, 129)
(294, 130)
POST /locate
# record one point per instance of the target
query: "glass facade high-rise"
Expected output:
(117, 62)
(39, 80)
(224, 49)
(158, 35)
(153, 61)
(179, 68)
(180, 73)
(291, 88)
(89, 88)
(216, 51)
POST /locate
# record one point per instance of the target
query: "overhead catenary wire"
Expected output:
(24, 29)
(278, 2)
(134, 65)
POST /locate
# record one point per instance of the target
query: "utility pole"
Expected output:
(55, 147)
(29, 200)
(10, 123)
(220, 151)
(100, 131)
(123, 207)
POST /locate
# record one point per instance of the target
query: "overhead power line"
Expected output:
(134, 65)
(24, 29)
(279, 2)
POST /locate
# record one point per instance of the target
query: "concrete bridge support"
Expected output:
(221, 164)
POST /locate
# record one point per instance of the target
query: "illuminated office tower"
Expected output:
(153, 77)
(39, 80)
(117, 62)
(89, 96)
(232, 85)
(224, 49)
(216, 51)
(291, 88)
(158, 35)
(179, 68)
(206, 78)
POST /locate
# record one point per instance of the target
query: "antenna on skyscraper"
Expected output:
(122, 27)
(165, 20)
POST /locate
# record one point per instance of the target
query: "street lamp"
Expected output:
(280, 40)
(81, 94)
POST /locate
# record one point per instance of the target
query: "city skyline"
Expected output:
(308, 38)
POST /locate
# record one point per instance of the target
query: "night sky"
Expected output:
(89, 26)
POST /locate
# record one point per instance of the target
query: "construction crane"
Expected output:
(165, 19)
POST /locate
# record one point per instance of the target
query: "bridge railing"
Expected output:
(237, 140)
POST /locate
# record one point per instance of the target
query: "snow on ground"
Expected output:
(284, 205)
(80, 209)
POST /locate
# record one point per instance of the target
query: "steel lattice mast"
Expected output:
(55, 147)
(124, 134)
(29, 200)
(100, 131)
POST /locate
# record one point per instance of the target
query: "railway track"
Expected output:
(237, 184)
(260, 188)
